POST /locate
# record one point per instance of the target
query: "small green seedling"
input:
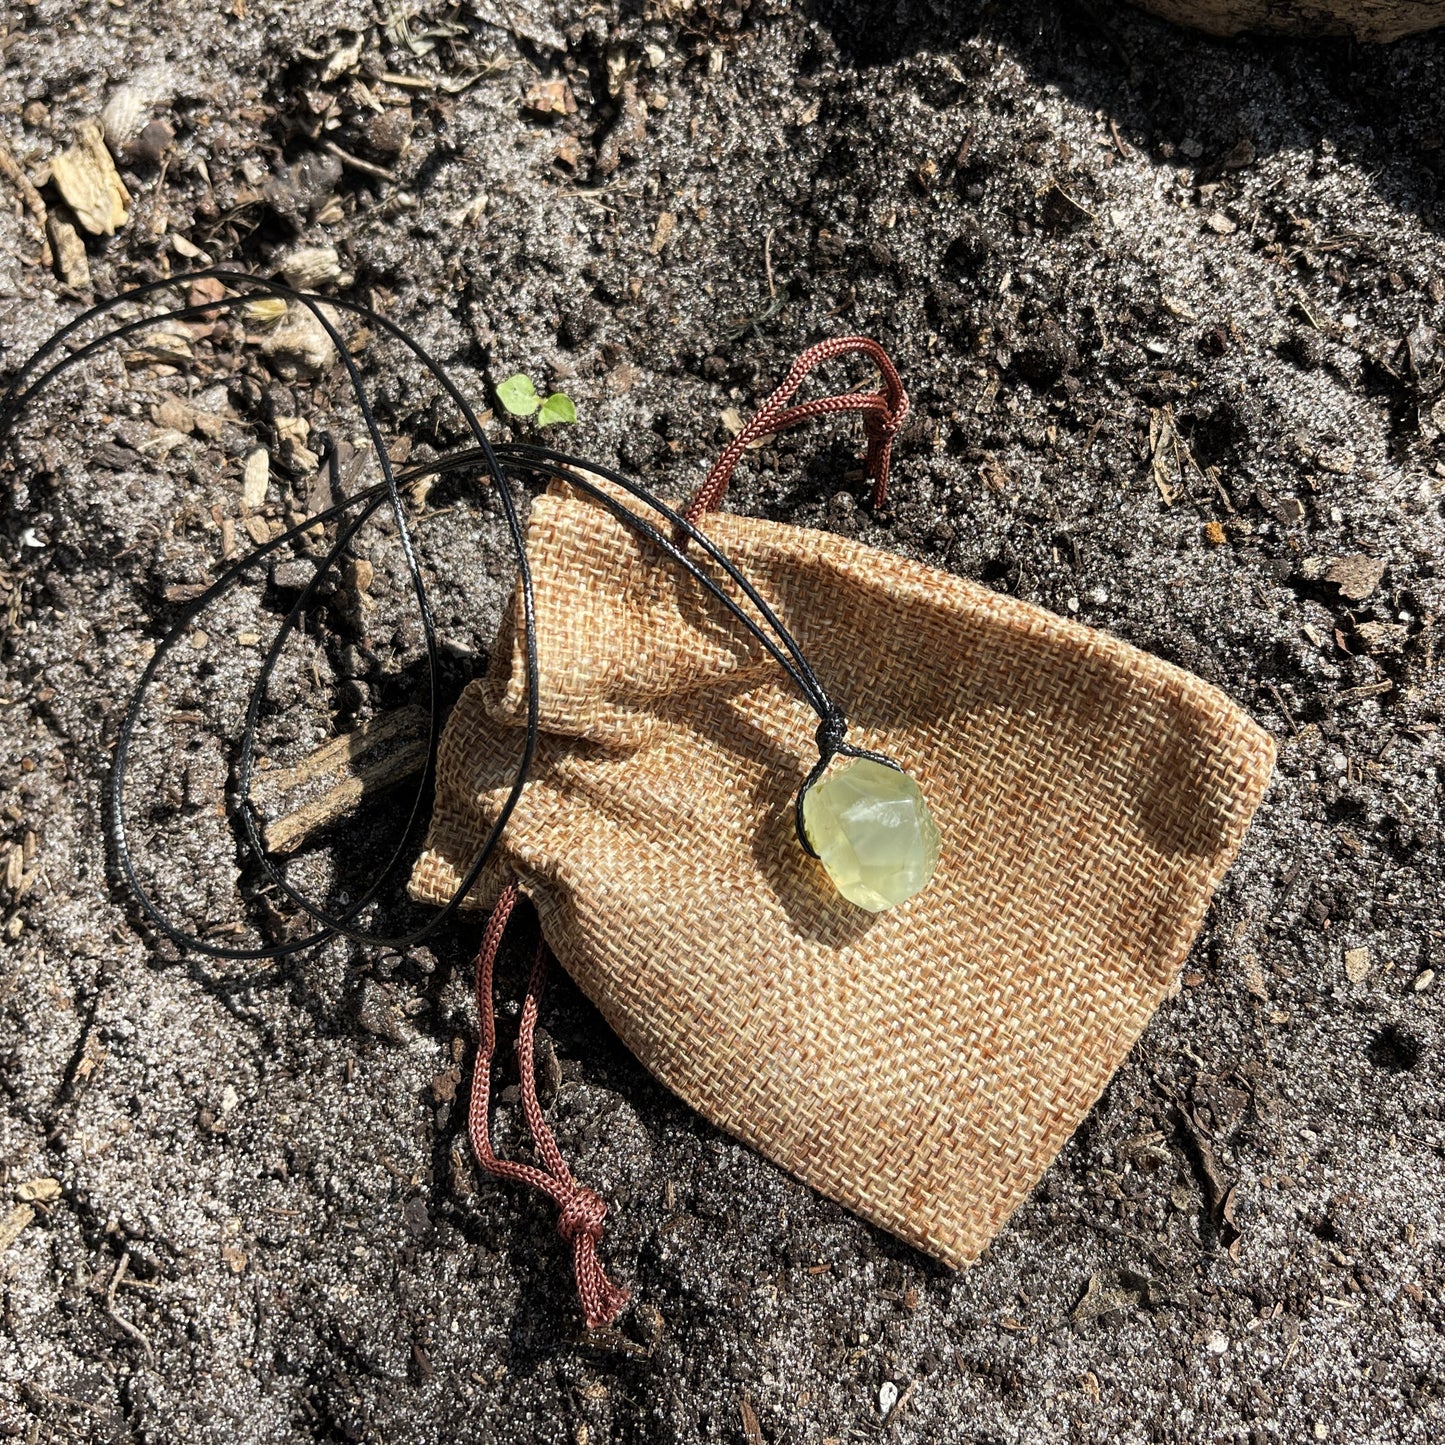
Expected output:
(519, 398)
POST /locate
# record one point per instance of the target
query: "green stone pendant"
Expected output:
(872, 831)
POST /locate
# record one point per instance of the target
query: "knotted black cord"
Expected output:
(13, 403)
(497, 464)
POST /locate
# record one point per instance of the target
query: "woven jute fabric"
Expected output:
(923, 1065)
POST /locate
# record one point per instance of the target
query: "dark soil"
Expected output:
(1171, 315)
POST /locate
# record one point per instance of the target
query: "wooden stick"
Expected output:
(333, 756)
(288, 833)
(364, 780)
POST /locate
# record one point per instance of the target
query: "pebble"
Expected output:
(887, 1398)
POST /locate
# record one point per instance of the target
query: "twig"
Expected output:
(768, 261)
(895, 1415)
(333, 756)
(287, 834)
(11, 169)
(124, 1324)
(1283, 707)
(357, 164)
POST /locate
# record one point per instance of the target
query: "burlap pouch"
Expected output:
(923, 1065)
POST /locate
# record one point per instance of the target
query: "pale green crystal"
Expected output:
(872, 831)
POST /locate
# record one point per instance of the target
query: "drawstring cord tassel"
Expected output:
(581, 1212)
(884, 412)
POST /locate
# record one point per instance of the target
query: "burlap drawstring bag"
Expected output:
(921, 1065)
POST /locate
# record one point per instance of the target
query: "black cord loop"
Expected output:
(483, 464)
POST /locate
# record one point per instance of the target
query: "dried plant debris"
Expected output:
(132, 122)
(71, 262)
(308, 267)
(1356, 576)
(86, 177)
(30, 198)
(299, 343)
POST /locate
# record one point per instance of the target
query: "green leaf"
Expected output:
(518, 395)
(557, 407)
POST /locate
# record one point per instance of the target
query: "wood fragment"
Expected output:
(288, 833)
(86, 177)
(331, 757)
(666, 225)
(30, 198)
(748, 1418)
(408, 725)
(357, 164)
(14, 1225)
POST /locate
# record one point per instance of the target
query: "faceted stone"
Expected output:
(872, 831)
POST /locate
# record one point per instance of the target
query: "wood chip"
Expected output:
(87, 178)
(72, 265)
(255, 478)
(666, 225)
(38, 1191)
(13, 1225)
(1357, 964)
(748, 1418)
(550, 97)
(1356, 576)
(1254, 978)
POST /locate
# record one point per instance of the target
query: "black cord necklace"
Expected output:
(673, 534)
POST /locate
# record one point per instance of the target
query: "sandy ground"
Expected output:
(1170, 312)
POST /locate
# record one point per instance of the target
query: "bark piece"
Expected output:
(87, 178)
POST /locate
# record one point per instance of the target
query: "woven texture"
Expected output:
(921, 1066)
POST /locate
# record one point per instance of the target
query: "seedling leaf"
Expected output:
(518, 395)
(557, 408)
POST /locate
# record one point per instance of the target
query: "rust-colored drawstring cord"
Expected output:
(581, 1211)
(883, 411)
